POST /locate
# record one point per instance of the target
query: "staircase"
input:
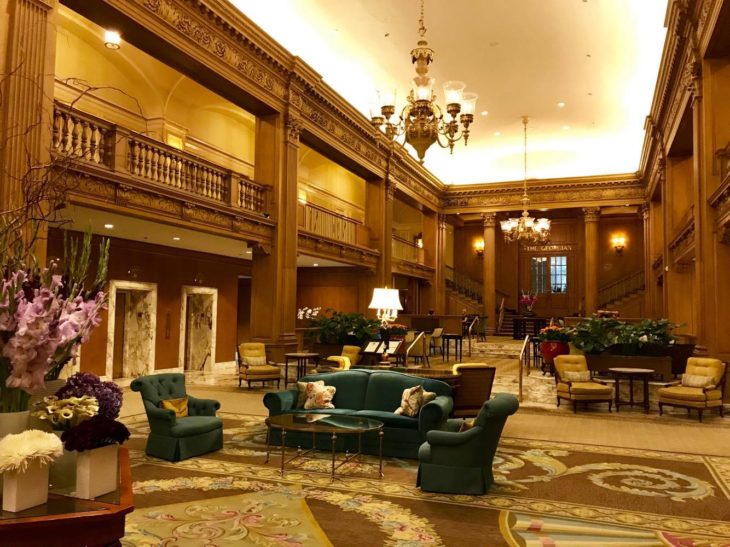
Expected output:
(464, 285)
(622, 291)
(505, 329)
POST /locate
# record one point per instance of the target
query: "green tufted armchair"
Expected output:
(454, 462)
(172, 438)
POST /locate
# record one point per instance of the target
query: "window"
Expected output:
(549, 274)
(539, 274)
(559, 274)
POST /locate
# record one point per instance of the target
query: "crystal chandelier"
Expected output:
(422, 121)
(525, 228)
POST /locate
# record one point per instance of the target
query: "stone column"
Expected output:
(591, 216)
(489, 296)
(27, 65)
(274, 270)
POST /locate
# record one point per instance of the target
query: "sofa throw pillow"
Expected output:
(413, 399)
(319, 396)
(304, 388)
(578, 375)
(254, 361)
(466, 425)
(696, 380)
(179, 406)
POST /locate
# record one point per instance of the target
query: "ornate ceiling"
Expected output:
(598, 57)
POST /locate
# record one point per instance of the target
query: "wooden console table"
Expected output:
(66, 521)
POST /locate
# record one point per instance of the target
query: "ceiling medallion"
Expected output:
(525, 228)
(422, 121)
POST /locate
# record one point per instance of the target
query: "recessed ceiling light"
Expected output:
(176, 238)
(561, 104)
(484, 112)
(108, 226)
(315, 264)
(497, 133)
(566, 127)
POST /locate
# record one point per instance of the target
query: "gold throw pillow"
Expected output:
(179, 406)
(696, 380)
(466, 425)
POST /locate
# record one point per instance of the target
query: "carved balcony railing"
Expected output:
(321, 221)
(621, 288)
(81, 137)
(463, 284)
(404, 249)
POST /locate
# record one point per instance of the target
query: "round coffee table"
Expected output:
(631, 373)
(329, 424)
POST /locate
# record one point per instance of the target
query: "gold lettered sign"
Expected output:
(550, 248)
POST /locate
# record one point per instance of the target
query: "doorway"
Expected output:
(198, 328)
(131, 330)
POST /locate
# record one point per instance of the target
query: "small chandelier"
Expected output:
(422, 120)
(525, 228)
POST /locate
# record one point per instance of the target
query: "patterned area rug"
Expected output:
(547, 493)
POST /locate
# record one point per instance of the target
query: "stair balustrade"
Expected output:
(621, 288)
(320, 221)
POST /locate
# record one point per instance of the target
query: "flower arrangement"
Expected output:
(308, 313)
(555, 333)
(45, 315)
(108, 394)
(17, 452)
(94, 433)
(528, 299)
(63, 414)
(397, 329)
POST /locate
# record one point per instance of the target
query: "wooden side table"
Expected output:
(458, 340)
(631, 373)
(67, 521)
(302, 359)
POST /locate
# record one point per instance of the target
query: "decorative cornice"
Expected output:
(507, 196)
(337, 250)
(390, 187)
(413, 269)
(293, 129)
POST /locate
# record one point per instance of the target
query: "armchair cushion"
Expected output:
(178, 406)
(585, 388)
(566, 363)
(705, 366)
(696, 380)
(340, 362)
(578, 375)
(194, 425)
(685, 393)
(254, 361)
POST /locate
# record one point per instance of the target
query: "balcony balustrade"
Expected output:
(86, 139)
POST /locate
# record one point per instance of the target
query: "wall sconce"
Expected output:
(419, 240)
(479, 247)
(618, 242)
(112, 39)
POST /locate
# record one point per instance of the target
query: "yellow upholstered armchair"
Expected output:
(349, 358)
(252, 365)
(702, 387)
(574, 382)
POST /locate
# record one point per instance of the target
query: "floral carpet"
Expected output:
(546, 493)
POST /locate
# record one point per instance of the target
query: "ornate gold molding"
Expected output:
(489, 220)
(337, 250)
(610, 190)
(683, 244)
(413, 269)
(591, 214)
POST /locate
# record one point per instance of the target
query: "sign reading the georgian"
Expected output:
(549, 248)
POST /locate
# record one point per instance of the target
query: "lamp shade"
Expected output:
(385, 299)
(453, 91)
(468, 103)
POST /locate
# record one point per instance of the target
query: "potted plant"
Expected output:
(528, 300)
(97, 441)
(333, 329)
(45, 315)
(553, 342)
(24, 461)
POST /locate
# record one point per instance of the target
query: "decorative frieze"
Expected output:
(414, 269)
(337, 250)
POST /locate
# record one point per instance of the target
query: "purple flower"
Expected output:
(94, 433)
(108, 394)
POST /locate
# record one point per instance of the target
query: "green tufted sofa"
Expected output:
(369, 394)
(172, 438)
(454, 462)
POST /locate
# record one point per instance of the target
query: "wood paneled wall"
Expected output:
(170, 269)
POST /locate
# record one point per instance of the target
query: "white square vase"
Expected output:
(96, 471)
(27, 489)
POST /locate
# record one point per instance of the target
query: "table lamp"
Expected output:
(387, 303)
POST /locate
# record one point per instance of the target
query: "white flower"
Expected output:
(643, 338)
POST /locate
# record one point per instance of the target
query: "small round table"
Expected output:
(632, 373)
(302, 358)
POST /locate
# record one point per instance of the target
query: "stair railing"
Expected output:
(621, 288)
